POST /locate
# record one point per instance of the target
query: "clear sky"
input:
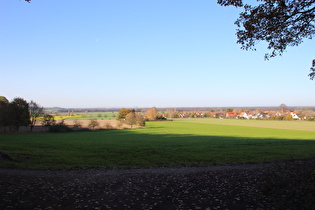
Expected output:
(142, 53)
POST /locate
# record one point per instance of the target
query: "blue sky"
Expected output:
(142, 53)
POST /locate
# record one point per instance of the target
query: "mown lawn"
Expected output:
(171, 143)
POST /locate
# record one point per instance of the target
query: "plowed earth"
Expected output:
(278, 185)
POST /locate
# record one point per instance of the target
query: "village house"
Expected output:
(295, 116)
(243, 115)
(181, 115)
(231, 115)
(253, 115)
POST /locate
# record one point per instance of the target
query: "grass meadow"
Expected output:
(188, 142)
(86, 115)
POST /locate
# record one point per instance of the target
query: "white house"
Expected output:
(244, 115)
(294, 116)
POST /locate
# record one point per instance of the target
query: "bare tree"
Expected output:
(77, 124)
(108, 126)
(35, 111)
(283, 108)
(93, 124)
(19, 113)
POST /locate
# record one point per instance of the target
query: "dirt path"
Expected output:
(278, 185)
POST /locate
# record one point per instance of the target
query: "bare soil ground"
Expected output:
(278, 185)
(103, 124)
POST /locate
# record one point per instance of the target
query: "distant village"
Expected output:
(250, 115)
(281, 112)
(276, 113)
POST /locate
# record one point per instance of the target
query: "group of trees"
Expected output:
(130, 117)
(19, 113)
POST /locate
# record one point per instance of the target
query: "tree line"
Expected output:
(19, 112)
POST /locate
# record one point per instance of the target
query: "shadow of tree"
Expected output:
(129, 149)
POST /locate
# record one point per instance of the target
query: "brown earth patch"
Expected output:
(104, 124)
(278, 185)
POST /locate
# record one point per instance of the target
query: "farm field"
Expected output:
(290, 125)
(86, 115)
(188, 142)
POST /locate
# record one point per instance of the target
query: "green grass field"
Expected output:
(291, 125)
(189, 142)
(87, 115)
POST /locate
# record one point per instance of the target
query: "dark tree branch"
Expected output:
(312, 74)
(236, 3)
(281, 23)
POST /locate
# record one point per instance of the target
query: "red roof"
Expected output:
(231, 114)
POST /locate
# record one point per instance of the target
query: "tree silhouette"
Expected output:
(281, 23)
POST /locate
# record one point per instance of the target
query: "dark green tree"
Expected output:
(48, 120)
(4, 108)
(19, 113)
(4, 99)
(229, 110)
(280, 23)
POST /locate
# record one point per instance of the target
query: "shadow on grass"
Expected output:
(130, 149)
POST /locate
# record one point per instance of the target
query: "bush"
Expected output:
(48, 120)
(93, 124)
(119, 123)
(59, 127)
(77, 125)
(161, 118)
(108, 126)
(140, 120)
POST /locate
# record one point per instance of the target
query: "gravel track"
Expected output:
(247, 186)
